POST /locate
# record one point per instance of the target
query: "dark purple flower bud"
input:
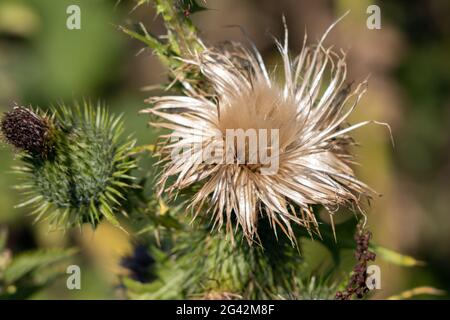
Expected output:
(27, 131)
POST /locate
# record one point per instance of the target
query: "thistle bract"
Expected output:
(87, 172)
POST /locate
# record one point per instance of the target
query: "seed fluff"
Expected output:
(309, 109)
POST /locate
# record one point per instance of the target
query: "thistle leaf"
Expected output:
(25, 263)
(395, 257)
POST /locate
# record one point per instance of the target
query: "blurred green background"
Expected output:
(42, 63)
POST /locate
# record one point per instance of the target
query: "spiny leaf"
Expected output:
(24, 263)
(395, 257)
(105, 209)
(152, 42)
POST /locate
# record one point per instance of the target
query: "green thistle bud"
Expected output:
(86, 175)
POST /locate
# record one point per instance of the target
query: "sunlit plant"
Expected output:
(209, 230)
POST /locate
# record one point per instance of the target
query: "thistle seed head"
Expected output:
(308, 110)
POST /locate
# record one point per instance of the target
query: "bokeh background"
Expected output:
(408, 60)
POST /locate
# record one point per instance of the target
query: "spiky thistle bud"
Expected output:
(28, 131)
(88, 172)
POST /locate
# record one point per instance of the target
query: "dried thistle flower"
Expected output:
(309, 111)
(26, 130)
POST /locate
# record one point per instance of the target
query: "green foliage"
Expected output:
(193, 262)
(26, 273)
(26, 263)
(395, 257)
(181, 40)
(87, 175)
(211, 262)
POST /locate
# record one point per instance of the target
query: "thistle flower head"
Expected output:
(27, 130)
(310, 152)
(88, 173)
